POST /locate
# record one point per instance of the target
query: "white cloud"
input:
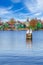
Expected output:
(19, 9)
(41, 17)
(6, 13)
(3, 11)
(40, 4)
(31, 5)
(16, 1)
(35, 7)
(37, 14)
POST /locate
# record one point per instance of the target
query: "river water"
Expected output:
(16, 50)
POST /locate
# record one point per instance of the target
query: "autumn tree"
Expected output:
(12, 21)
(33, 23)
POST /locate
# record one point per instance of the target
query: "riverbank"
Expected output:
(24, 29)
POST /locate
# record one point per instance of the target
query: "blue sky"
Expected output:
(21, 9)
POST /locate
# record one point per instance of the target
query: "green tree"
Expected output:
(1, 27)
(39, 25)
(5, 25)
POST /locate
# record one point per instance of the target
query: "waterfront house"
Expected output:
(20, 25)
(11, 24)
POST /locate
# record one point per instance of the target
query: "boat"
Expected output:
(29, 34)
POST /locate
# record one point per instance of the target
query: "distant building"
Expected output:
(27, 23)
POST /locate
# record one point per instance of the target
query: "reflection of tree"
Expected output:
(29, 43)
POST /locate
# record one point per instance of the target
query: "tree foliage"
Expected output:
(39, 25)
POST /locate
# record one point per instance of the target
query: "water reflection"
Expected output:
(29, 43)
(16, 42)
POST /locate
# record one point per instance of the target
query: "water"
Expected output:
(16, 50)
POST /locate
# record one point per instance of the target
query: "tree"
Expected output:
(1, 27)
(33, 23)
(39, 25)
(12, 21)
(5, 26)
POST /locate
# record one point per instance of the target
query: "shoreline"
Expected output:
(21, 29)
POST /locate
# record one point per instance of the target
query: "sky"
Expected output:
(21, 9)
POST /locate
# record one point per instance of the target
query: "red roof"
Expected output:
(11, 23)
(1, 23)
